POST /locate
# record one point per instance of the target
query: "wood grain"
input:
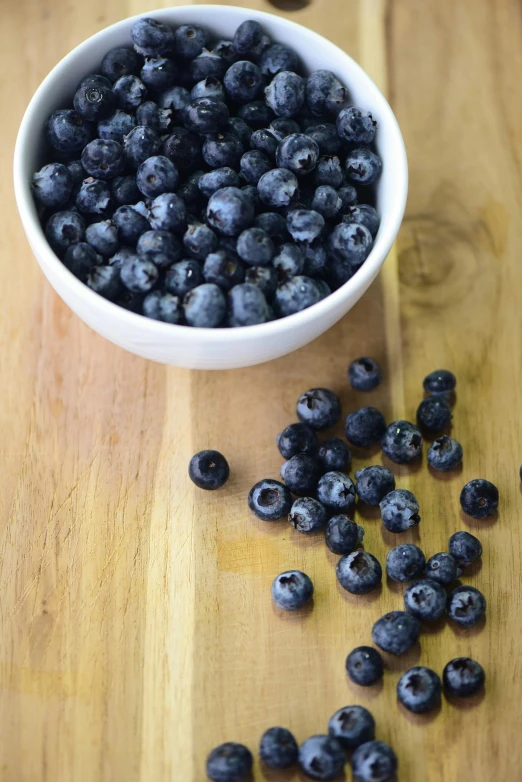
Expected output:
(137, 630)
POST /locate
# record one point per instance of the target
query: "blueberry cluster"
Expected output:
(209, 182)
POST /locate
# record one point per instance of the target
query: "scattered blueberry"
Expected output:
(402, 442)
(441, 382)
(466, 606)
(364, 666)
(352, 726)
(342, 535)
(464, 548)
(359, 572)
(307, 515)
(365, 427)
(444, 453)
(209, 470)
(419, 689)
(463, 677)
(479, 498)
(295, 439)
(270, 500)
(374, 761)
(399, 510)
(278, 748)
(319, 408)
(229, 762)
(321, 757)
(434, 414)
(374, 483)
(292, 590)
(396, 632)
(426, 600)
(301, 474)
(364, 374)
(405, 562)
(204, 306)
(334, 454)
(442, 568)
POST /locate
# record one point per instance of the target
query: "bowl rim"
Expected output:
(154, 328)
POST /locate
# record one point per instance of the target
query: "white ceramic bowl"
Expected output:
(182, 345)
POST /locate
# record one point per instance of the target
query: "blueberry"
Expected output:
(222, 149)
(466, 606)
(364, 666)
(419, 689)
(326, 201)
(264, 277)
(278, 748)
(285, 126)
(319, 408)
(351, 243)
(174, 99)
(356, 126)
(295, 439)
(240, 129)
(326, 138)
(119, 62)
(402, 442)
(208, 88)
(405, 562)
(230, 211)
(93, 197)
(199, 241)
(229, 762)
(352, 726)
(321, 757)
(270, 500)
(151, 37)
(315, 258)
(364, 374)
(205, 116)
(304, 225)
(130, 223)
(189, 41)
(328, 171)
(266, 140)
(363, 166)
(274, 225)
(162, 306)
(159, 247)
(276, 58)
(374, 483)
(285, 94)
(103, 237)
(442, 568)
(374, 761)
(168, 213)
(463, 677)
(208, 470)
(324, 93)
(298, 153)
(116, 127)
(365, 427)
(80, 258)
(306, 515)
(130, 92)
(301, 474)
(64, 229)
(247, 306)
(139, 276)
(434, 414)
(206, 64)
(444, 453)
(464, 548)
(359, 572)
(133, 302)
(479, 498)
(396, 632)
(205, 306)
(105, 280)
(425, 599)
(289, 261)
(217, 179)
(250, 39)
(182, 277)
(399, 510)
(103, 159)
(158, 73)
(52, 185)
(78, 174)
(95, 78)
(157, 175)
(364, 214)
(255, 247)
(94, 101)
(348, 196)
(122, 255)
(225, 50)
(336, 491)
(334, 454)
(324, 288)
(251, 193)
(224, 269)
(124, 190)
(67, 131)
(342, 535)
(277, 187)
(292, 590)
(243, 81)
(441, 382)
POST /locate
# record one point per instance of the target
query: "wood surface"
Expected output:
(137, 629)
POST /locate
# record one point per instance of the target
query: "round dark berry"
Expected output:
(434, 414)
(321, 757)
(364, 666)
(463, 677)
(336, 491)
(292, 590)
(466, 606)
(441, 382)
(342, 535)
(364, 374)
(374, 483)
(352, 726)
(405, 562)
(374, 761)
(278, 748)
(270, 500)
(419, 689)
(301, 474)
(402, 442)
(426, 600)
(307, 515)
(479, 498)
(230, 211)
(334, 454)
(95, 101)
(365, 427)
(319, 408)
(209, 470)
(205, 306)
(399, 510)
(465, 548)
(396, 632)
(229, 762)
(359, 572)
(444, 453)
(356, 126)
(442, 568)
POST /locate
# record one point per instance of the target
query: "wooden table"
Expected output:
(137, 627)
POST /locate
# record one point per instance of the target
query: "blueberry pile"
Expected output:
(317, 496)
(210, 183)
